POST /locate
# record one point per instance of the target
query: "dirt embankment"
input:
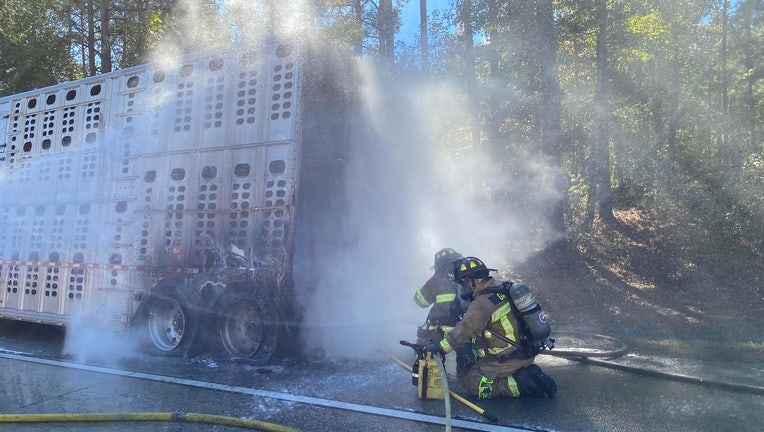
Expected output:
(635, 282)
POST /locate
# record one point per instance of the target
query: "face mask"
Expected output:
(464, 291)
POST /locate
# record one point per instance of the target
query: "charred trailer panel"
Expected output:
(164, 198)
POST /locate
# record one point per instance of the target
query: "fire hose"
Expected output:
(603, 357)
(177, 416)
(447, 397)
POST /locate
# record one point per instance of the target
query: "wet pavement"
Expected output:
(369, 395)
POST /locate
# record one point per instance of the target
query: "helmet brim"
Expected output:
(469, 274)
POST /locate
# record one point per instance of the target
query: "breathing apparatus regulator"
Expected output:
(535, 328)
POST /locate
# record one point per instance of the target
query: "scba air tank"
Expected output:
(532, 316)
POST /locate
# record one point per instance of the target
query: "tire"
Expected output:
(170, 324)
(248, 326)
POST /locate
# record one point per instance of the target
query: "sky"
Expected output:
(410, 18)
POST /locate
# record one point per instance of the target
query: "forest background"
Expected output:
(651, 111)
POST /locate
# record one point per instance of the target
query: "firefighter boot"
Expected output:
(526, 384)
(545, 381)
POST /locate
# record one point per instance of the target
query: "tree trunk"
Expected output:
(105, 18)
(141, 39)
(602, 186)
(673, 124)
(423, 37)
(358, 45)
(469, 71)
(91, 38)
(725, 79)
(550, 116)
(386, 29)
(750, 83)
(659, 123)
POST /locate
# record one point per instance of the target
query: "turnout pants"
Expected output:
(509, 378)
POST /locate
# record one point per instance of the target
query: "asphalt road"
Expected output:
(360, 395)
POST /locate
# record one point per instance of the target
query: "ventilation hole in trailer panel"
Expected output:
(209, 172)
(249, 59)
(178, 174)
(186, 70)
(277, 166)
(283, 50)
(241, 170)
(216, 64)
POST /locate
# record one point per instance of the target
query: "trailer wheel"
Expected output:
(248, 327)
(170, 323)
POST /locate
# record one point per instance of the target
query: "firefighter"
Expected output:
(442, 293)
(502, 369)
(449, 301)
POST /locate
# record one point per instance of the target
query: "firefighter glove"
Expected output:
(434, 348)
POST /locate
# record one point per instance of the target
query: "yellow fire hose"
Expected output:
(454, 395)
(442, 369)
(177, 416)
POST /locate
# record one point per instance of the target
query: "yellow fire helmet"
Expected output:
(471, 268)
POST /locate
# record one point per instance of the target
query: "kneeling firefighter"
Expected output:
(448, 303)
(510, 329)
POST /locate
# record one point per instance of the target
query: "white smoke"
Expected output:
(88, 341)
(420, 188)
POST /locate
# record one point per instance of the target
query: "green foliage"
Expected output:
(685, 122)
(649, 25)
(340, 23)
(33, 48)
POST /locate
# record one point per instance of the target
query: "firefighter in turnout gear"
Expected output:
(442, 293)
(503, 367)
